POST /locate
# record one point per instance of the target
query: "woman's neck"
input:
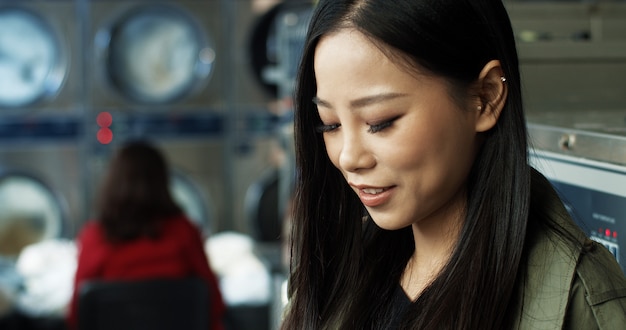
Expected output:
(434, 244)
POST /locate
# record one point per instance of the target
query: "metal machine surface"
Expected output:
(584, 156)
(40, 122)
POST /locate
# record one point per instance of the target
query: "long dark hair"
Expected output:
(344, 268)
(135, 196)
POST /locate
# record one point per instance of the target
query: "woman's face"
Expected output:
(400, 140)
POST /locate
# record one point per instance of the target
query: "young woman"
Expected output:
(415, 206)
(139, 231)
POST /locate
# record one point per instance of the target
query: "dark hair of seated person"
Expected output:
(135, 196)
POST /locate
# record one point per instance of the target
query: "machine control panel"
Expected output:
(595, 195)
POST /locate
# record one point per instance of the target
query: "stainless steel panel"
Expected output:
(597, 135)
(593, 192)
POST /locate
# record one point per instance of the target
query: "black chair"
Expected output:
(155, 304)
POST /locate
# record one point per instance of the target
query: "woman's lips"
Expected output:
(372, 197)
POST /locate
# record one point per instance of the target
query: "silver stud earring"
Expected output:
(480, 108)
(503, 79)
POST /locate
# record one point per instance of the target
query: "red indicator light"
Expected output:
(614, 234)
(105, 135)
(104, 119)
(607, 233)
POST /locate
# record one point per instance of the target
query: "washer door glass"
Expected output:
(190, 200)
(157, 55)
(29, 213)
(30, 65)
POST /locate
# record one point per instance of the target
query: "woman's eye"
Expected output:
(327, 128)
(381, 126)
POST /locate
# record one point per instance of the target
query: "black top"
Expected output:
(401, 303)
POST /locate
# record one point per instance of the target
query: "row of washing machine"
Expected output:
(79, 77)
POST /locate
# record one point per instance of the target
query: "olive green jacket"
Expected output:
(568, 286)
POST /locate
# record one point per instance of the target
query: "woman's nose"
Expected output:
(354, 154)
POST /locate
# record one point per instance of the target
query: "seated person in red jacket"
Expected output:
(140, 232)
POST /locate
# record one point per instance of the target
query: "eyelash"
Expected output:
(326, 128)
(372, 129)
(379, 127)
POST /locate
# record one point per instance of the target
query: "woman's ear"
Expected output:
(493, 93)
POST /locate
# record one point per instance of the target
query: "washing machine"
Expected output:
(30, 211)
(36, 174)
(40, 122)
(151, 56)
(41, 180)
(38, 57)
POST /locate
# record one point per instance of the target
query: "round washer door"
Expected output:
(29, 212)
(188, 196)
(31, 58)
(157, 54)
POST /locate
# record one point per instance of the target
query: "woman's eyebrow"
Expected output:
(321, 102)
(373, 99)
(362, 102)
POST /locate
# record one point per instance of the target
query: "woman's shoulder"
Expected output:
(180, 223)
(90, 230)
(567, 287)
(598, 294)
(571, 280)
(600, 273)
